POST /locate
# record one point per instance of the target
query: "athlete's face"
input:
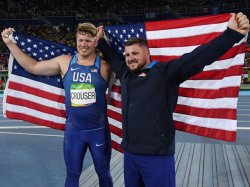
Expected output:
(136, 57)
(86, 44)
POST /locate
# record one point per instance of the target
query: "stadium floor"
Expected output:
(200, 161)
(32, 156)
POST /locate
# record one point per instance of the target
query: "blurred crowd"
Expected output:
(61, 33)
(95, 9)
(11, 9)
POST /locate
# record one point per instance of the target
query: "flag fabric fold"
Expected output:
(207, 102)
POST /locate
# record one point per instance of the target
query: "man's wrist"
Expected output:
(234, 34)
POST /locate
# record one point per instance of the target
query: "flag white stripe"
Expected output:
(115, 109)
(225, 64)
(187, 31)
(35, 113)
(174, 51)
(212, 123)
(36, 99)
(115, 123)
(117, 82)
(212, 84)
(208, 103)
(37, 85)
(116, 138)
(116, 96)
(171, 51)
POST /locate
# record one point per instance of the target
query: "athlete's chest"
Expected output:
(80, 74)
(84, 84)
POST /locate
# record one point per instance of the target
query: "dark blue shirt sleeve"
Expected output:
(116, 61)
(192, 63)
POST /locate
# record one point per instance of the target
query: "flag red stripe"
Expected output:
(116, 88)
(161, 58)
(186, 22)
(114, 115)
(116, 146)
(35, 91)
(115, 103)
(218, 74)
(239, 49)
(221, 113)
(115, 130)
(208, 132)
(31, 119)
(36, 106)
(195, 111)
(209, 94)
(184, 41)
(229, 54)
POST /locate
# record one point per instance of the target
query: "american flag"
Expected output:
(35, 99)
(207, 102)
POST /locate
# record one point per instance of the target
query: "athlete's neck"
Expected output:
(86, 61)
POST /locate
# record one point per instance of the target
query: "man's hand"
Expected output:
(100, 32)
(239, 23)
(6, 33)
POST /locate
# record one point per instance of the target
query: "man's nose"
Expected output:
(129, 57)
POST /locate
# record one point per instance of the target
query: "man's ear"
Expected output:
(147, 52)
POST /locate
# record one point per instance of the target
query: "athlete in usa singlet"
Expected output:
(86, 122)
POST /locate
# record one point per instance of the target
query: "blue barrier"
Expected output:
(244, 92)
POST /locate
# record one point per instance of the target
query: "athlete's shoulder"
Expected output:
(63, 62)
(65, 58)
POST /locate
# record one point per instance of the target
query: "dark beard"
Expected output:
(139, 68)
(136, 71)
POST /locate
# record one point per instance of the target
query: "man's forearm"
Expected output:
(192, 63)
(115, 60)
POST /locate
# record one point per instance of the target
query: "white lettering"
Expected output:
(81, 77)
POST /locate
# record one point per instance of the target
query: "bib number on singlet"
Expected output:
(82, 94)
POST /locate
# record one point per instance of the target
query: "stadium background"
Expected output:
(56, 20)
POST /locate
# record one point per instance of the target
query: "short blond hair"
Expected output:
(88, 28)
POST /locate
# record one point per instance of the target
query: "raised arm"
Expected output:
(192, 63)
(115, 60)
(46, 67)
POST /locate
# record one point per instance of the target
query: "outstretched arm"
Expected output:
(46, 67)
(192, 63)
